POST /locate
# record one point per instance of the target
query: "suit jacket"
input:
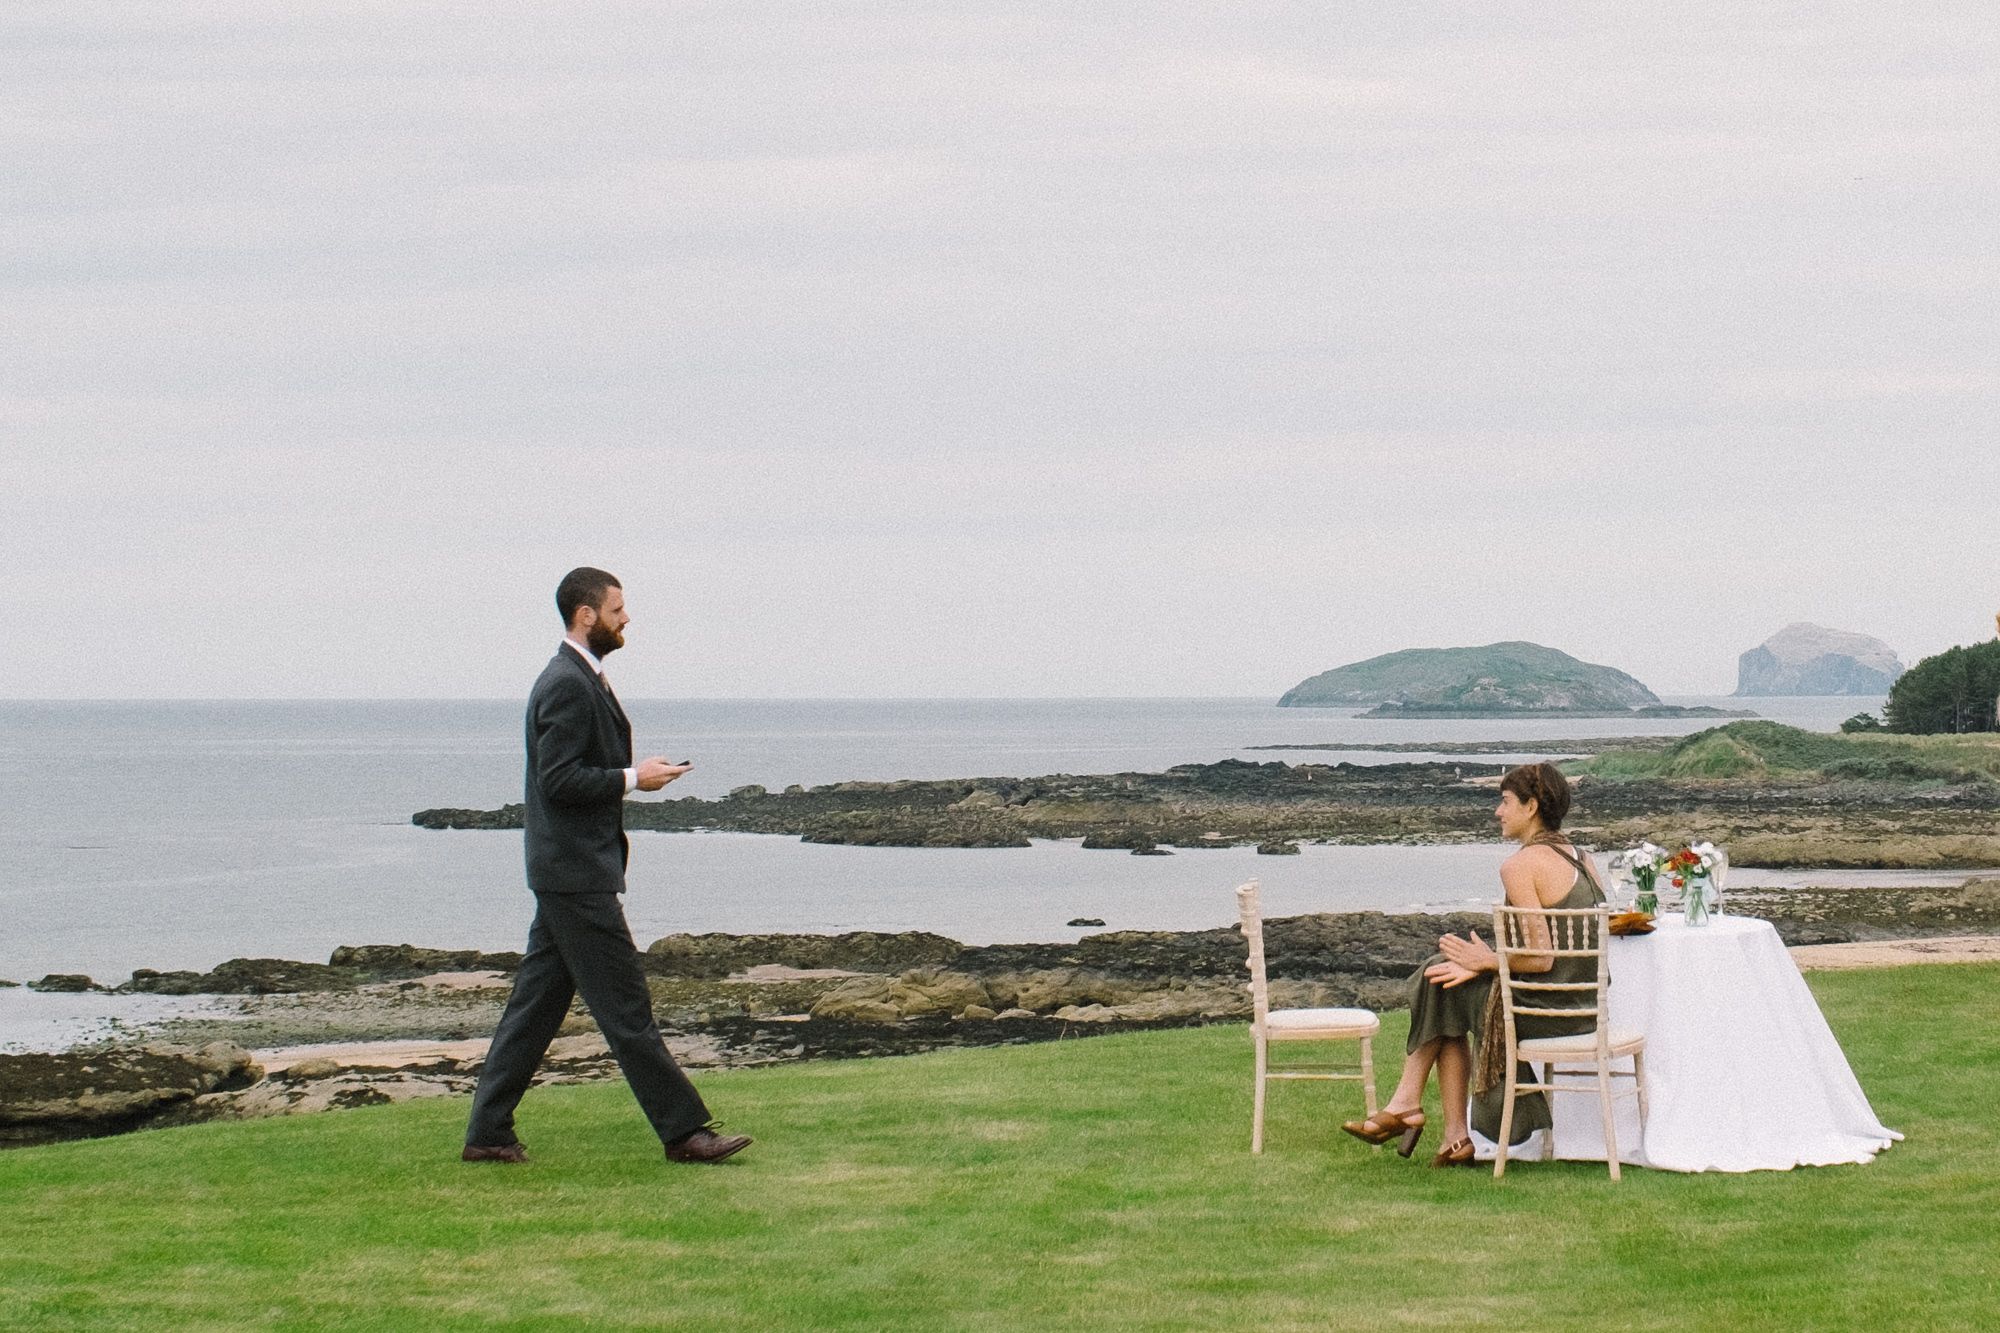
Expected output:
(579, 746)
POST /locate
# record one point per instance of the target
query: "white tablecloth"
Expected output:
(1742, 1072)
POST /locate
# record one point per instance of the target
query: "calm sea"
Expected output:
(178, 834)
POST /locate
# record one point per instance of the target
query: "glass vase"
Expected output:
(1694, 907)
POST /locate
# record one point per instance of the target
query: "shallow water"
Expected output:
(281, 829)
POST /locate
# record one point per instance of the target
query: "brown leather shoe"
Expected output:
(1455, 1154)
(1379, 1128)
(506, 1152)
(705, 1145)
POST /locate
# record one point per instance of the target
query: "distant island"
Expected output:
(1812, 659)
(1512, 679)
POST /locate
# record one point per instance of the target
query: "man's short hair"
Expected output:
(583, 586)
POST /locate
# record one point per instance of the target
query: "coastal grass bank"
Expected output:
(1101, 1184)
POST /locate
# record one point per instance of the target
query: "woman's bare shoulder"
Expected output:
(1540, 871)
(1532, 857)
(1518, 877)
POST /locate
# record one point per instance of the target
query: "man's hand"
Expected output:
(655, 773)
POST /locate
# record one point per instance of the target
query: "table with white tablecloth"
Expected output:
(1742, 1072)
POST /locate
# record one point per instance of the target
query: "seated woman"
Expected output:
(1450, 1024)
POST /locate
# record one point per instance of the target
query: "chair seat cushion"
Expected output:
(1583, 1046)
(1344, 1022)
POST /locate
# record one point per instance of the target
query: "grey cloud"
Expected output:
(1288, 314)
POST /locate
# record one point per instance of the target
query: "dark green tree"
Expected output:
(1954, 691)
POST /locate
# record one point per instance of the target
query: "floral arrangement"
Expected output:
(1700, 865)
(1693, 862)
(1696, 869)
(1643, 863)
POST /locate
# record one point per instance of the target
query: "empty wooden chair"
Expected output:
(1269, 1025)
(1553, 932)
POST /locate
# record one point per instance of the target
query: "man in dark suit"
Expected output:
(580, 770)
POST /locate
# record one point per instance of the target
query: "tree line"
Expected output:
(1958, 690)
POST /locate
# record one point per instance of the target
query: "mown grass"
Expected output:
(1100, 1184)
(1767, 750)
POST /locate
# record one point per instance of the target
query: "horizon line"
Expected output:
(772, 698)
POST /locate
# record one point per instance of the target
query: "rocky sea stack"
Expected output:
(1811, 659)
(1505, 678)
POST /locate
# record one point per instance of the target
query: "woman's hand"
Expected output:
(1449, 974)
(1464, 960)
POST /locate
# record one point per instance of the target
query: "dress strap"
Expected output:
(1583, 868)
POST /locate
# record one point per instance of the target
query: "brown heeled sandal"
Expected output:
(1455, 1154)
(1379, 1128)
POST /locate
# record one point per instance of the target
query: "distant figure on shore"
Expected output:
(579, 772)
(1453, 1007)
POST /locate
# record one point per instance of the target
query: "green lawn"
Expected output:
(1099, 1184)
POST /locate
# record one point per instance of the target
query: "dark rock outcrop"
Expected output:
(65, 983)
(1319, 947)
(398, 962)
(506, 817)
(87, 1094)
(246, 976)
(715, 956)
(351, 965)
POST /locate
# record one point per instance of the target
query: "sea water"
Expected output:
(177, 834)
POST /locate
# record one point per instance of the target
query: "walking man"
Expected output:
(580, 770)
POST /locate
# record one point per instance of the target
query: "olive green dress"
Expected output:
(1459, 1012)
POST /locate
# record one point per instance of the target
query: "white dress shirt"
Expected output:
(597, 667)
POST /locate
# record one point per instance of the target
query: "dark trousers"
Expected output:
(579, 942)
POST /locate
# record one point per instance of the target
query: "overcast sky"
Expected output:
(1007, 349)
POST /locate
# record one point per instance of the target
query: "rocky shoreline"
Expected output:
(381, 1023)
(1432, 713)
(1781, 823)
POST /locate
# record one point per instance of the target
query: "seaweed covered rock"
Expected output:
(920, 993)
(247, 976)
(65, 983)
(709, 957)
(87, 1094)
(397, 962)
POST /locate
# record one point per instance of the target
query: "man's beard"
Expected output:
(603, 640)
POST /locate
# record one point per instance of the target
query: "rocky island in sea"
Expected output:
(1812, 659)
(1499, 680)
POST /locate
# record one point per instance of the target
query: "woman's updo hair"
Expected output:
(1543, 784)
